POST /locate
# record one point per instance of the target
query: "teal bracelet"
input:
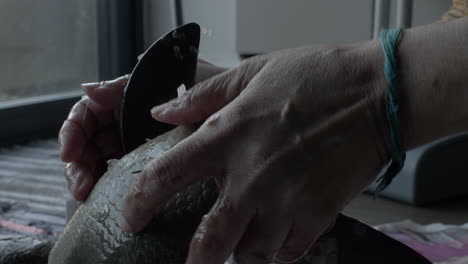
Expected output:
(389, 39)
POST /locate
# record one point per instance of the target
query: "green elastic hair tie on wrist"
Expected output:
(389, 39)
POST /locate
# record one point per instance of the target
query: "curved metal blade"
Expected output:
(168, 63)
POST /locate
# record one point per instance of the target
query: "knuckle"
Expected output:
(291, 252)
(76, 110)
(215, 87)
(254, 256)
(207, 242)
(190, 97)
(164, 170)
(80, 106)
(207, 238)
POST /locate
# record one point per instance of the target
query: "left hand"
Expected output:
(91, 133)
(290, 137)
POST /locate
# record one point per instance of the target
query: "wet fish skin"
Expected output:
(93, 235)
(22, 249)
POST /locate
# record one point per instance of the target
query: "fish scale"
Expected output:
(92, 238)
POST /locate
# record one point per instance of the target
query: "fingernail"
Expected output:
(82, 181)
(82, 185)
(71, 174)
(77, 179)
(90, 86)
(125, 78)
(63, 138)
(76, 183)
(157, 110)
(163, 108)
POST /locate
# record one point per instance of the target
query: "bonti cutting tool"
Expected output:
(170, 62)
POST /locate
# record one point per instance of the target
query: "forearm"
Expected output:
(433, 81)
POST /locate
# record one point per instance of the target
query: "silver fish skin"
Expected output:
(93, 235)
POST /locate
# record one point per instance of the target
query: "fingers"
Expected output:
(301, 237)
(85, 119)
(72, 141)
(89, 164)
(295, 247)
(206, 97)
(218, 233)
(80, 180)
(178, 167)
(108, 94)
(90, 115)
(88, 154)
(88, 136)
(83, 172)
(263, 239)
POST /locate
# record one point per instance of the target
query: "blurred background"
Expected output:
(46, 46)
(49, 47)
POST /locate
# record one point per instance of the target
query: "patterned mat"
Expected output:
(32, 189)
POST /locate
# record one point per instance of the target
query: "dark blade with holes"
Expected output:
(168, 63)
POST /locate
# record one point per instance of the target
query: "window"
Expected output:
(46, 47)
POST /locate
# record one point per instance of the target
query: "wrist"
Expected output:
(372, 60)
(433, 87)
(432, 84)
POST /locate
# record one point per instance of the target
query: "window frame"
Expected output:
(120, 40)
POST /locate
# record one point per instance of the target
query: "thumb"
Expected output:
(207, 97)
(107, 94)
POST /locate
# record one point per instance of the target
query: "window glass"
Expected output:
(46, 46)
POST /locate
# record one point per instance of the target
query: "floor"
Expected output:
(32, 189)
(33, 195)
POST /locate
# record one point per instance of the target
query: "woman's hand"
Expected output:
(290, 137)
(91, 134)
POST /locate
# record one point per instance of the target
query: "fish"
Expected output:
(94, 235)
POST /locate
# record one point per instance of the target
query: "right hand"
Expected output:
(91, 133)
